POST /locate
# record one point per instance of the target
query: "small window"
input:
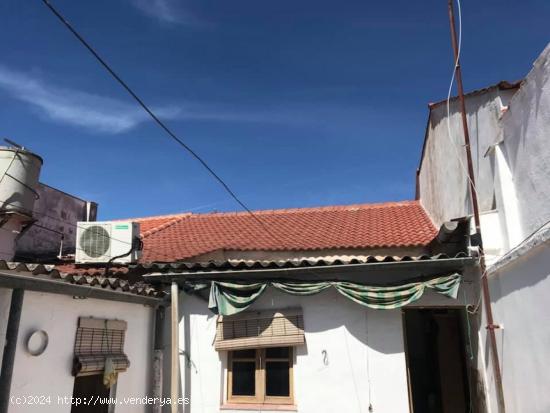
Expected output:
(260, 376)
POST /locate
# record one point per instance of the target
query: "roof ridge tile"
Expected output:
(339, 207)
(164, 225)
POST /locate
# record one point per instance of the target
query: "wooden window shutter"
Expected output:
(96, 340)
(260, 329)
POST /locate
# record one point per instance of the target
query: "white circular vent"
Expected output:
(95, 241)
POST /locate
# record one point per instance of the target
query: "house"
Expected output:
(509, 125)
(302, 341)
(57, 328)
(360, 308)
(380, 280)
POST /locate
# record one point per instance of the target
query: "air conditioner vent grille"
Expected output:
(95, 241)
(107, 242)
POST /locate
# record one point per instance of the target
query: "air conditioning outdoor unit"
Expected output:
(110, 241)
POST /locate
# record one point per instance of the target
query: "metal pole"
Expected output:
(484, 283)
(174, 378)
(8, 358)
(158, 357)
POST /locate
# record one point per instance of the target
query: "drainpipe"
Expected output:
(484, 282)
(174, 377)
(158, 358)
(417, 187)
(10, 346)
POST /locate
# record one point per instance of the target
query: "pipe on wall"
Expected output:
(174, 323)
(8, 358)
(473, 193)
(158, 356)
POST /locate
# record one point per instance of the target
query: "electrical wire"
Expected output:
(168, 258)
(449, 133)
(22, 256)
(367, 348)
(525, 240)
(33, 259)
(153, 116)
(9, 166)
(470, 349)
(33, 212)
(350, 363)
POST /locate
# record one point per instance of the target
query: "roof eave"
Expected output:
(33, 283)
(361, 273)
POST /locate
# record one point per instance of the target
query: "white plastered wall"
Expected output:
(50, 373)
(443, 182)
(519, 292)
(333, 324)
(526, 132)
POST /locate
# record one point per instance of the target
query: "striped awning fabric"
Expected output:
(96, 340)
(260, 329)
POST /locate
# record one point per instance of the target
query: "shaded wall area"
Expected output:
(526, 134)
(442, 181)
(56, 214)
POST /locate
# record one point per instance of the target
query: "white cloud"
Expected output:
(105, 114)
(109, 115)
(74, 107)
(168, 11)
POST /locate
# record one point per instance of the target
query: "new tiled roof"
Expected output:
(364, 226)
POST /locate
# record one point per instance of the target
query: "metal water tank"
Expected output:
(19, 172)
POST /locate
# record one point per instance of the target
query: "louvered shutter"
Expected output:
(96, 340)
(260, 329)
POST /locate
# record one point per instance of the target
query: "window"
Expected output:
(260, 376)
(259, 346)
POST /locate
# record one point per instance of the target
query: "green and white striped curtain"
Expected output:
(228, 298)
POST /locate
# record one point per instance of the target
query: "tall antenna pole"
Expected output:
(471, 178)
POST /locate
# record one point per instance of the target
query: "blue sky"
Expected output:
(294, 103)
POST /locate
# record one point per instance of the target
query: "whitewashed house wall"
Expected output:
(512, 166)
(50, 373)
(520, 291)
(364, 348)
(526, 148)
(520, 280)
(443, 183)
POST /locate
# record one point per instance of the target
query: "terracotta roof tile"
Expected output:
(363, 226)
(70, 275)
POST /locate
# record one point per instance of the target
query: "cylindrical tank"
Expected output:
(19, 172)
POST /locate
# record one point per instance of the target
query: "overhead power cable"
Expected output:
(155, 118)
(33, 212)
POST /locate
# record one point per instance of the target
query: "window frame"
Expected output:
(260, 379)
